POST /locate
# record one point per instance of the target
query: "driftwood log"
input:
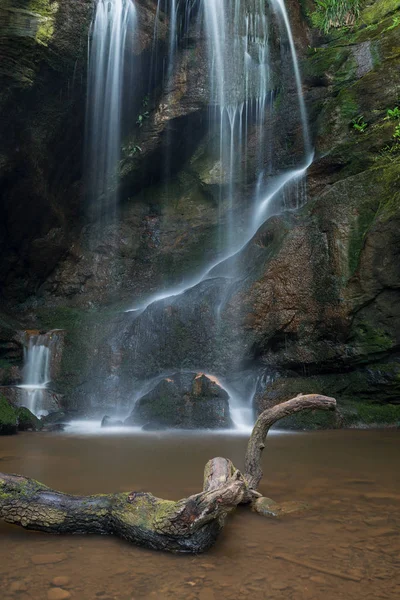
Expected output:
(190, 525)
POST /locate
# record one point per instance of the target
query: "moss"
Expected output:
(81, 327)
(329, 60)
(8, 417)
(310, 420)
(377, 10)
(27, 420)
(347, 103)
(363, 413)
(390, 203)
(370, 339)
(357, 235)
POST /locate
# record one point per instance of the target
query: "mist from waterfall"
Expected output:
(108, 62)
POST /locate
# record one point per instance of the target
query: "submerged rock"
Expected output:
(183, 400)
(52, 427)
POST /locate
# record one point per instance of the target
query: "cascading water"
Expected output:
(108, 63)
(241, 102)
(185, 328)
(37, 370)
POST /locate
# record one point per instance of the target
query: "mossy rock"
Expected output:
(27, 421)
(376, 11)
(8, 418)
(365, 397)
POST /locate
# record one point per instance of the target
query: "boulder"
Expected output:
(27, 421)
(183, 400)
(110, 422)
(52, 427)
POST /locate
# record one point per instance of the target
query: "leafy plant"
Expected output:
(392, 114)
(396, 134)
(359, 124)
(395, 23)
(335, 13)
(141, 118)
(131, 149)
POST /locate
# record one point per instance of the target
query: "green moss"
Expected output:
(27, 420)
(377, 10)
(363, 413)
(347, 104)
(357, 235)
(389, 207)
(337, 63)
(370, 339)
(310, 420)
(8, 417)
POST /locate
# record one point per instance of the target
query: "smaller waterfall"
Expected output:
(37, 373)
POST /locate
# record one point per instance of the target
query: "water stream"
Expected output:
(108, 61)
(36, 372)
(241, 97)
(239, 41)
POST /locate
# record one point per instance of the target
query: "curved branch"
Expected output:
(256, 445)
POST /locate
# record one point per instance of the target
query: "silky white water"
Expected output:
(108, 61)
(36, 372)
(237, 35)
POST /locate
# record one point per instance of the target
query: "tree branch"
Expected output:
(256, 445)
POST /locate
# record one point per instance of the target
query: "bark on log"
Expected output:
(188, 525)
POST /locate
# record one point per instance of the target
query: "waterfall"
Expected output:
(241, 105)
(37, 370)
(108, 62)
(239, 71)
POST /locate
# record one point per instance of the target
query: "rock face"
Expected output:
(11, 351)
(327, 305)
(184, 400)
(317, 305)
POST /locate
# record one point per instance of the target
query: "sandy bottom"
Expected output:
(346, 546)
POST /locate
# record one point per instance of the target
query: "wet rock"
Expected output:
(48, 559)
(27, 421)
(17, 396)
(58, 594)
(184, 400)
(53, 427)
(57, 416)
(110, 422)
(18, 586)
(61, 581)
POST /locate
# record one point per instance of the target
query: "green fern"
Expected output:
(359, 124)
(392, 114)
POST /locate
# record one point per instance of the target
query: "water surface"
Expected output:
(346, 546)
